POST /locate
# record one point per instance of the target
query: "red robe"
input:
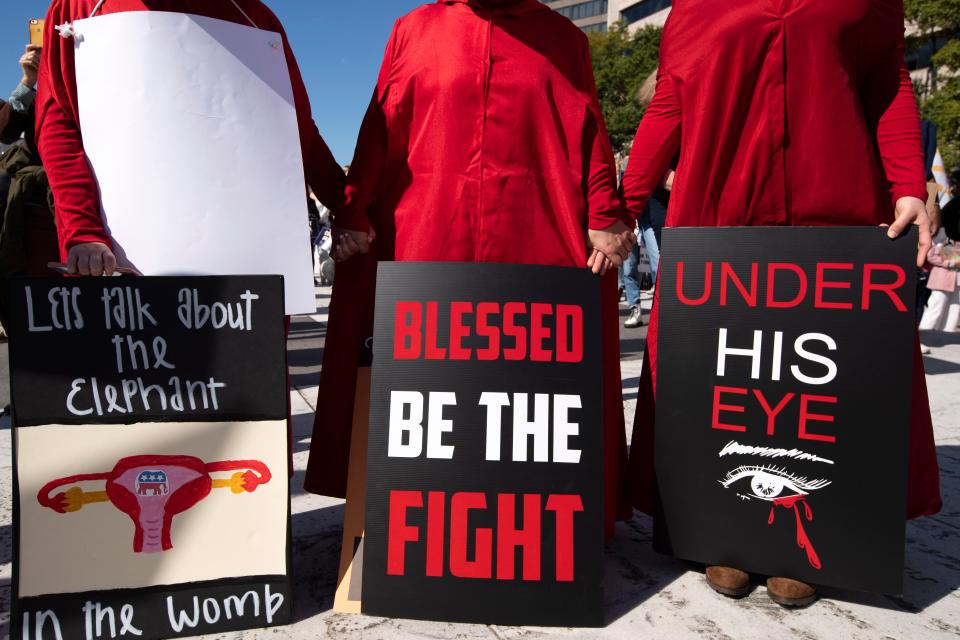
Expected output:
(810, 120)
(59, 139)
(484, 142)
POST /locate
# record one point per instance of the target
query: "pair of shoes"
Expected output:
(622, 294)
(635, 318)
(647, 294)
(924, 349)
(786, 592)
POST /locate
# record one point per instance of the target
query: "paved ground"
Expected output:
(647, 595)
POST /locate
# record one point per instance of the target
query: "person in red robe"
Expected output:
(484, 142)
(810, 120)
(84, 244)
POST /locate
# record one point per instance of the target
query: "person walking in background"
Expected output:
(649, 225)
(632, 278)
(429, 183)
(943, 307)
(774, 136)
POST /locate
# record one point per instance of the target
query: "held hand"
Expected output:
(615, 242)
(348, 243)
(91, 259)
(668, 180)
(30, 63)
(913, 211)
(599, 263)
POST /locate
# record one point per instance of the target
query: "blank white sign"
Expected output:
(190, 127)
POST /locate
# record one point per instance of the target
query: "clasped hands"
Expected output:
(608, 247)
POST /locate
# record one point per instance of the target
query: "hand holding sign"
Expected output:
(912, 211)
(91, 259)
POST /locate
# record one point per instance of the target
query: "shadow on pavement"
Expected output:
(633, 571)
(932, 570)
(316, 557)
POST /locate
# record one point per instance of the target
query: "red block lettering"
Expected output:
(707, 285)
(806, 415)
(890, 289)
(460, 565)
(459, 331)
(565, 506)
(509, 537)
(435, 530)
(569, 339)
(399, 533)
(431, 351)
(727, 275)
(772, 270)
(408, 322)
(772, 413)
(484, 330)
(519, 334)
(539, 333)
(718, 407)
(822, 283)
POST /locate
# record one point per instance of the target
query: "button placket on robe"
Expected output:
(778, 119)
(487, 70)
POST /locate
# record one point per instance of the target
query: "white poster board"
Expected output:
(190, 127)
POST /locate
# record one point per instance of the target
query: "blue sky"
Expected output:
(338, 43)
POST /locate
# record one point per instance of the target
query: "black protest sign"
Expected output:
(484, 479)
(150, 456)
(785, 359)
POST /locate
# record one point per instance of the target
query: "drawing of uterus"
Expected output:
(152, 489)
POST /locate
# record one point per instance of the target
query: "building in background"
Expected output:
(589, 15)
(639, 13)
(599, 15)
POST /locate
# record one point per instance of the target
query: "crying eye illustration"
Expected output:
(771, 483)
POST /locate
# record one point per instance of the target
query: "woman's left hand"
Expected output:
(910, 211)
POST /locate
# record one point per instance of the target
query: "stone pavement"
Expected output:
(647, 595)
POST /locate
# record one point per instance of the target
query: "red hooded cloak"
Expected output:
(483, 142)
(60, 141)
(784, 112)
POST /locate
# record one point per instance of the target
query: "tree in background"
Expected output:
(621, 62)
(937, 31)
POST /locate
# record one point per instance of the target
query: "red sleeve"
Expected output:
(323, 174)
(370, 157)
(654, 147)
(891, 105)
(604, 206)
(76, 200)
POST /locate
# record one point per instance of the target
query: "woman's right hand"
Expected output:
(91, 259)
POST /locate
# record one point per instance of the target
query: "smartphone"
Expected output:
(36, 31)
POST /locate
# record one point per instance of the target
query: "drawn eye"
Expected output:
(770, 483)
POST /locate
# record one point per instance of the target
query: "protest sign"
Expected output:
(484, 473)
(150, 456)
(783, 401)
(209, 183)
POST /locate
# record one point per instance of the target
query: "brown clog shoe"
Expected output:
(788, 592)
(728, 581)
